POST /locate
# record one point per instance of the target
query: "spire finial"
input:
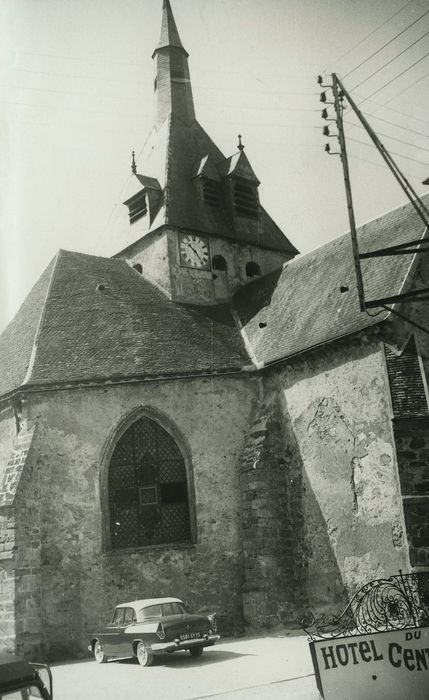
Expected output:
(133, 163)
(240, 145)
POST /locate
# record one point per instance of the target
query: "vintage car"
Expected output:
(146, 628)
(22, 679)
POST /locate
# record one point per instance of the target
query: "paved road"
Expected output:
(244, 669)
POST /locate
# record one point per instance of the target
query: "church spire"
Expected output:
(169, 34)
(172, 85)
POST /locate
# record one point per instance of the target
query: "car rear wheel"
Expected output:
(99, 654)
(196, 651)
(144, 654)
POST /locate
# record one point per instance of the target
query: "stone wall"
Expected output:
(342, 470)
(412, 441)
(19, 543)
(267, 536)
(79, 583)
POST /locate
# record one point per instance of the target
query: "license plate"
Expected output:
(190, 635)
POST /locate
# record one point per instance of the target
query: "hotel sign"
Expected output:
(383, 665)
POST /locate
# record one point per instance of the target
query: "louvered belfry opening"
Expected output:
(137, 207)
(212, 193)
(246, 201)
(406, 382)
(148, 490)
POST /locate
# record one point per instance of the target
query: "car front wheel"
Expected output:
(196, 651)
(145, 656)
(99, 654)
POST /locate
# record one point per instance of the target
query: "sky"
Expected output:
(76, 89)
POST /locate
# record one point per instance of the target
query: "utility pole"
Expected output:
(339, 108)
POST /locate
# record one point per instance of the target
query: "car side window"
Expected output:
(129, 616)
(118, 617)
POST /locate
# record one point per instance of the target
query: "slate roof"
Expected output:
(173, 156)
(69, 329)
(302, 306)
(128, 328)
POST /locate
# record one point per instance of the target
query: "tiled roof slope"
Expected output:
(17, 339)
(187, 144)
(172, 155)
(125, 329)
(301, 306)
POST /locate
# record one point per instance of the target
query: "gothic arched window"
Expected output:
(148, 488)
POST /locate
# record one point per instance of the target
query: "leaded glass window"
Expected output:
(148, 490)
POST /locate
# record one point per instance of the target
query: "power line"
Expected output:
(387, 44)
(393, 138)
(407, 88)
(398, 126)
(395, 78)
(379, 165)
(396, 111)
(346, 53)
(390, 61)
(400, 155)
(84, 60)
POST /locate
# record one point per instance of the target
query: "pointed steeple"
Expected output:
(172, 85)
(169, 34)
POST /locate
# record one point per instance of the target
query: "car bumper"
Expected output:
(175, 645)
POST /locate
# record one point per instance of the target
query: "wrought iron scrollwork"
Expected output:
(398, 602)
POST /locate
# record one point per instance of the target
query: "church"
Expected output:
(208, 414)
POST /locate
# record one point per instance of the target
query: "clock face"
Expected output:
(194, 251)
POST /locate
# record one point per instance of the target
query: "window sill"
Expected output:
(167, 547)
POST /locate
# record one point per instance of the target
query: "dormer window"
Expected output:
(246, 201)
(137, 207)
(212, 193)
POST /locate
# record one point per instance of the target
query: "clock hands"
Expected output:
(197, 253)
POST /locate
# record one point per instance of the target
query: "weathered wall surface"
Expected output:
(267, 536)
(7, 539)
(342, 471)
(412, 442)
(80, 583)
(19, 540)
(7, 436)
(208, 286)
(151, 253)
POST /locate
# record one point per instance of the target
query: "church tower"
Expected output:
(197, 227)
